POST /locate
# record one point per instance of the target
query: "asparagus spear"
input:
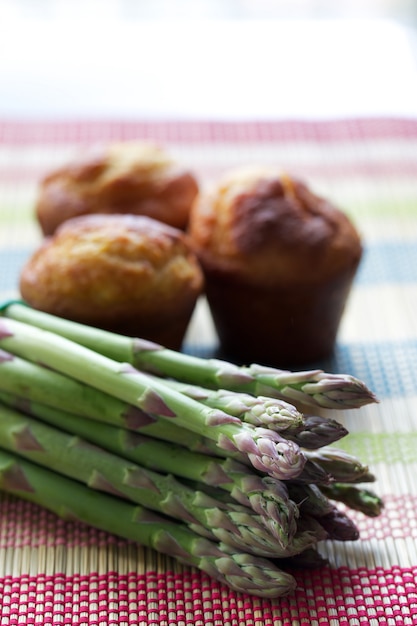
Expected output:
(318, 431)
(356, 498)
(340, 465)
(308, 431)
(309, 498)
(266, 496)
(159, 456)
(267, 451)
(33, 382)
(258, 411)
(314, 388)
(309, 529)
(71, 500)
(74, 457)
(339, 526)
(313, 503)
(38, 384)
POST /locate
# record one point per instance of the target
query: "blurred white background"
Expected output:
(229, 59)
(404, 11)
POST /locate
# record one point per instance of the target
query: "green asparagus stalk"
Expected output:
(74, 457)
(340, 465)
(35, 383)
(267, 451)
(312, 388)
(260, 411)
(309, 529)
(356, 498)
(264, 495)
(313, 503)
(308, 431)
(339, 526)
(319, 431)
(309, 498)
(71, 500)
(38, 384)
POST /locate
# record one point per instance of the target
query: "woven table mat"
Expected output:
(58, 572)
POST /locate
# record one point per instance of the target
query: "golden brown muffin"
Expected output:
(131, 177)
(129, 274)
(278, 262)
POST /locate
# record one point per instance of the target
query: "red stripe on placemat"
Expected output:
(393, 169)
(385, 595)
(25, 524)
(15, 132)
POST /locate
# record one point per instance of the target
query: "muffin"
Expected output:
(128, 274)
(279, 262)
(131, 177)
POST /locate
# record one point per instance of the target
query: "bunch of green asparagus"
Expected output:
(217, 465)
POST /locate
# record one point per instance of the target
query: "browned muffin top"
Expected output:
(101, 267)
(131, 177)
(271, 228)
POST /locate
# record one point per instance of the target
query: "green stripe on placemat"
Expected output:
(382, 447)
(365, 202)
(15, 210)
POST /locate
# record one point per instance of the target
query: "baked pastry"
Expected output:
(278, 261)
(131, 177)
(129, 274)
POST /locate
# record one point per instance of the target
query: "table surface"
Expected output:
(334, 102)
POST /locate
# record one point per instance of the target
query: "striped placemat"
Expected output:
(56, 572)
